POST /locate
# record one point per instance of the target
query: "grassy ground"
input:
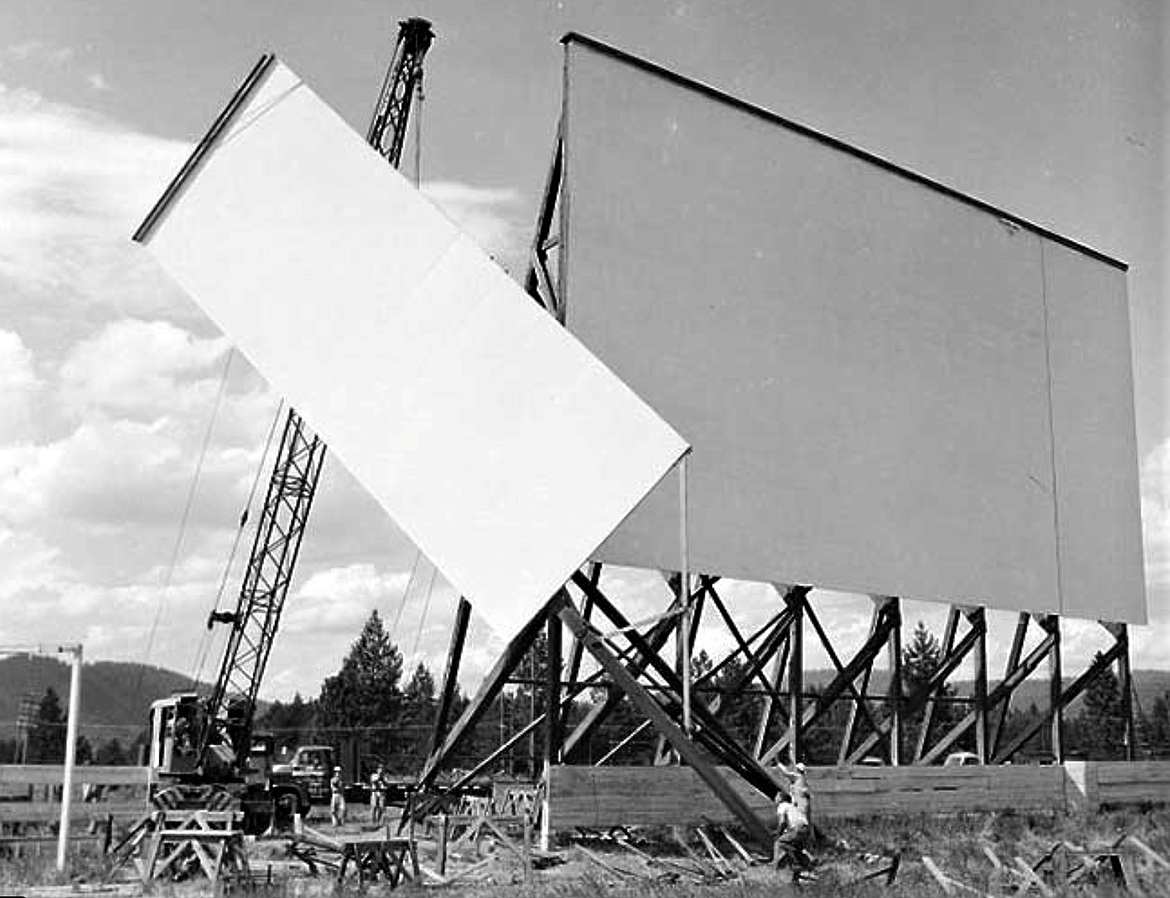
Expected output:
(846, 852)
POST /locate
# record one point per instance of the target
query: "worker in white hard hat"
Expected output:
(794, 816)
(337, 797)
(797, 788)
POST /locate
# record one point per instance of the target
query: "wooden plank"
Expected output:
(54, 775)
(625, 795)
(1133, 884)
(488, 690)
(1030, 876)
(42, 811)
(941, 878)
(450, 674)
(1150, 853)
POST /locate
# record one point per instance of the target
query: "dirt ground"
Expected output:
(650, 863)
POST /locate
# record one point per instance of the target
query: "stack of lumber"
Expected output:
(602, 797)
(1133, 782)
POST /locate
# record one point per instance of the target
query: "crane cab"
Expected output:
(176, 725)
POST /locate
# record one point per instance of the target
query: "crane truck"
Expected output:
(204, 751)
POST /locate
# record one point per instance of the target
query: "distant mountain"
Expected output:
(115, 695)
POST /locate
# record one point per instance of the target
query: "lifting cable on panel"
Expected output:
(206, 638)
(181, 535)
(405, 596)
(423, 617)
(418, 110)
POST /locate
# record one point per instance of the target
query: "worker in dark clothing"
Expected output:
(792, 832)
(793, 819)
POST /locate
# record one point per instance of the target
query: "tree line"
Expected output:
(366, 705)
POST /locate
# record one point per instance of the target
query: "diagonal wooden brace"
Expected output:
(687, 750)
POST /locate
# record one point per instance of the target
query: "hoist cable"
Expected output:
(177, 548)
(205, 639)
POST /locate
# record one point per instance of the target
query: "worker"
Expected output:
(792, 829)
(798, 789)
(337, 797)
(377, 795)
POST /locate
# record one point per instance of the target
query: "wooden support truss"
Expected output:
(634, 663)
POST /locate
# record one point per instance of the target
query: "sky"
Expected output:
(1055, 110)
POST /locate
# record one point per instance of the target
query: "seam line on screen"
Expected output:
(259, 113)
(1051, 430)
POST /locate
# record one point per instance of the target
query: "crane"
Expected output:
(204, 749)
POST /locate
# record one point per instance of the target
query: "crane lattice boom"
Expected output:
(298, 466)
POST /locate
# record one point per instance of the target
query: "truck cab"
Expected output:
(309, 769)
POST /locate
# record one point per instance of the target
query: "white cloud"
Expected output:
(494, 217)
(97, 81)
(39, 51)
(1155, 478)
(339, 599)
(19, 386)
(73, 186)
(118, 473)
(142, 369)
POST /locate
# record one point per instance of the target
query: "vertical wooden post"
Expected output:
(1120, 632)
(684, 634)
(1051, 624)
(553, 724)
(979, 617)
(795, 600)
(70, 753)
(441, 846)
(528, 847)
(893, 607)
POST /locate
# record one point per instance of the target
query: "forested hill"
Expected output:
(1148, 684)
(114, 693)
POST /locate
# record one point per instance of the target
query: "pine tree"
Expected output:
(83, 750)
(112, 753)
(420, 694)
(291, 723)
(365, 692)
(46, 737)
(1160, 726)
(1101, 724)
(418, 716)
(921, 660)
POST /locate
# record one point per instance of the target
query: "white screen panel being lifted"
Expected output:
(497, 442)
(890, 388)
